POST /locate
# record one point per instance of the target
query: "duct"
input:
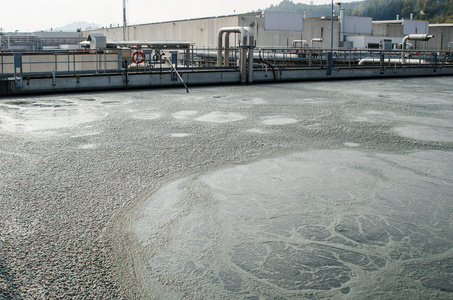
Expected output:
(251, 45)
(243, 32)
(318, 40)
(341, 25)
(398, 61)
(416, 37)
(303, 43)
(226, 59)
(240, 30)
(247, 37)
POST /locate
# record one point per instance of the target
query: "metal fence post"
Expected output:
(174, 62)
(382, 64)
(435, 62)
(18, 69)
(120, 59)
(329, 63)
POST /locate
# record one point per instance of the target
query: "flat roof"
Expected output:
(151, 44)
(389, 22)
(441, 25)
(148, 44)
(182, 20)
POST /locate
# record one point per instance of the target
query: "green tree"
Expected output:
(438, 11)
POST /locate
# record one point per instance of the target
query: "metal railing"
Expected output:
(79, 62)
(352, 58)
(69, 62)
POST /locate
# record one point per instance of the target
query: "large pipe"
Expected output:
(247, 40)
(226, 60)
(240, 30)
(416, 37)
(124, 21)
(410, 61)
(251, 45)
(341, 25)
(318, 40)
(303, 43)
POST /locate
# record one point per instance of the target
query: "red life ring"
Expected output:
(138, 57)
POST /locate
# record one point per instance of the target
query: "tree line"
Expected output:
(435, 11)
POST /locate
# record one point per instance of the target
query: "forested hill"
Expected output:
(438, 11)
(311, 11)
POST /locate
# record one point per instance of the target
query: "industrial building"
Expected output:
(271, 29)
(41, 40)
(276, 29)
(242, 48)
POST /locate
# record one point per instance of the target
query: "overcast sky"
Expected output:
(35, 15)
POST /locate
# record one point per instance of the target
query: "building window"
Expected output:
(373, 46)
(322, 32)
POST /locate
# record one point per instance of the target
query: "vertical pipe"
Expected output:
(381, 63)
(219, 49)
(250, 64)
(124, 20)
(243, 65)
(226, 60)
(244, 31)
(331, 26)
(251, 45)
(341, 25)
(329, 55)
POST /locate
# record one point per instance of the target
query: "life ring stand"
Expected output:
(136, 54)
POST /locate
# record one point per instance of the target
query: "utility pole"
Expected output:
(330, 53)
(124, 20)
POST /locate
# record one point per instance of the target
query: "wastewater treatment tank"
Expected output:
(280, 191)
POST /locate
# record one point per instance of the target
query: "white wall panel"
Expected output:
(410, 27)
(357, 25)
(282, 21)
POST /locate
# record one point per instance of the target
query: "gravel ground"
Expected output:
(73, 166)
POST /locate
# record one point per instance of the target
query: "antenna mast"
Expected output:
(124, 20)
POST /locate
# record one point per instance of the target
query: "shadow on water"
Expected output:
(8, 288)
